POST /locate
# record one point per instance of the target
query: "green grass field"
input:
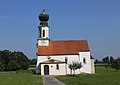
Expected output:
(102, 77)
(11, 78)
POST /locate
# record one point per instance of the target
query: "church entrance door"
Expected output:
(46, 70)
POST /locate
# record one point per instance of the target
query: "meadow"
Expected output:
(13, 78)
(101, 77)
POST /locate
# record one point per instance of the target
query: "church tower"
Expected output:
(43, 33)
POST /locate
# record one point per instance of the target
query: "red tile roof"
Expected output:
(64, 47)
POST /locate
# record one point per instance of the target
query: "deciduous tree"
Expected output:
(74, 66)
(13, 60)
(116, 64)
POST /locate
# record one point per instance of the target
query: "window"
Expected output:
(43, 33)
(57, 67)
(49, 57)
(66, 60)
(84, 60)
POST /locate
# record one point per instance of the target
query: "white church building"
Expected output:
(54, 56)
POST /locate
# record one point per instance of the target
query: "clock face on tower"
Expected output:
(43, 43)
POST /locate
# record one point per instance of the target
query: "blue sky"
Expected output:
(97, 21)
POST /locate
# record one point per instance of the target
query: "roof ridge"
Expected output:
(68, 40)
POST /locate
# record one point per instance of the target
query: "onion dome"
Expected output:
(44, 16)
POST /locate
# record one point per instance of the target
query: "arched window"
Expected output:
(43, 33)
(57, 66)
(48, 57)
(84, 60)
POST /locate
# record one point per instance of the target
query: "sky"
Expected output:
(97, 21)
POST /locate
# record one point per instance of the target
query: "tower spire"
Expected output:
(43, 7)
(43, 27)
(44, 17)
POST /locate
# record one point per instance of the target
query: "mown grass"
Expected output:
(101, 77)
(13, 78)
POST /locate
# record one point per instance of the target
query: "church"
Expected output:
(54, 56)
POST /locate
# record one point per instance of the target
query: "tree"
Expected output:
(1, 66)
(111, 59)
(96, 61)
(13, 60)
(74, 66)
(24, 65)
(116, 64)
(13, 66)
(22, 60)
(70, 66)
(4, 55)
(106, 59)
(33, 61)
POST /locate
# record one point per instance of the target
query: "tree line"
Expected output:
(12, 61)
(33, 61)
(110, 62)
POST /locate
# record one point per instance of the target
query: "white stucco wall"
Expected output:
(92, 66)
(39, 60)
(70, 58)
(78, 58)
(53, 70)
(86, 66)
